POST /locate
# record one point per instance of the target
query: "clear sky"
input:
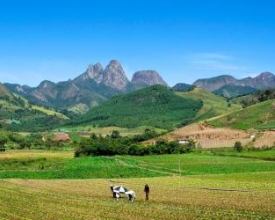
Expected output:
(182, 40)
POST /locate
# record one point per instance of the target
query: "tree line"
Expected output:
(96, 145)
(117, 145)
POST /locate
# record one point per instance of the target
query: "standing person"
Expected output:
(147, 191)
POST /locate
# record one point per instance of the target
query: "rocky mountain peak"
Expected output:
(4, 91)
(95, 68)
(45, 84)
(114, 76)
(147, 77)
(265, 76)
(265, 80)
(94, 72)
(114, 63)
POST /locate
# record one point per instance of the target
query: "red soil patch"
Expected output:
(61, 137)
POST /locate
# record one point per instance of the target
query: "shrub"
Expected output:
(238, 146)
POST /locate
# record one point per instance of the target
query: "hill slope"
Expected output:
(258, 116)
(17, 114)
(252, 126)
(213, 105)
(231, 91)
(156, 106)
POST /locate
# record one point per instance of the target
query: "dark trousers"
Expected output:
(147, 195)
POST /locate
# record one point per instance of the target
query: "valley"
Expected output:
(137, 110)
(203, 154)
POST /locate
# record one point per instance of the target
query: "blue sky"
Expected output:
(181, 40)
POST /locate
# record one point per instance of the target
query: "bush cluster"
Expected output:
(12, 140)
(108, 146)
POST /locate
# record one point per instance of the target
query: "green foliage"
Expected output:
(15, 141)
(258, 97)
(16, 114)
(155, 106)
(266, 153)
(128, 146)
(31, 122)
(115, 134)
(231, 91)
(3, 139)
(183, 87)
(238, 146)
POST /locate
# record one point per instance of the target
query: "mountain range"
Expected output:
(87, 90)
(263, 81)
(97, 84)
(229, 87)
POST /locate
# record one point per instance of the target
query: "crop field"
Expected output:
(170, 198)
(210, 187)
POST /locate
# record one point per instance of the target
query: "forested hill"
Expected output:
(156, 106)
(17, 114)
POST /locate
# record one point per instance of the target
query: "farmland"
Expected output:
(210, 187)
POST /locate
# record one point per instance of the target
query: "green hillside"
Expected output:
(258, 116)
(155, 106)
(213, 105)
(4, 92)
(16, 114)
(231, 91)
(255, 98)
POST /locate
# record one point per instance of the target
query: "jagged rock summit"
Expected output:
(114, 76)
(94, 72)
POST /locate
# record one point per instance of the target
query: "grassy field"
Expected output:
(61, 165)
(268, 154)
(210, 187)
(88, 130)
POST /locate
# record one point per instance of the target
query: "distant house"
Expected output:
(184, 141)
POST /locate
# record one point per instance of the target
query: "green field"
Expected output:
(55, 185)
